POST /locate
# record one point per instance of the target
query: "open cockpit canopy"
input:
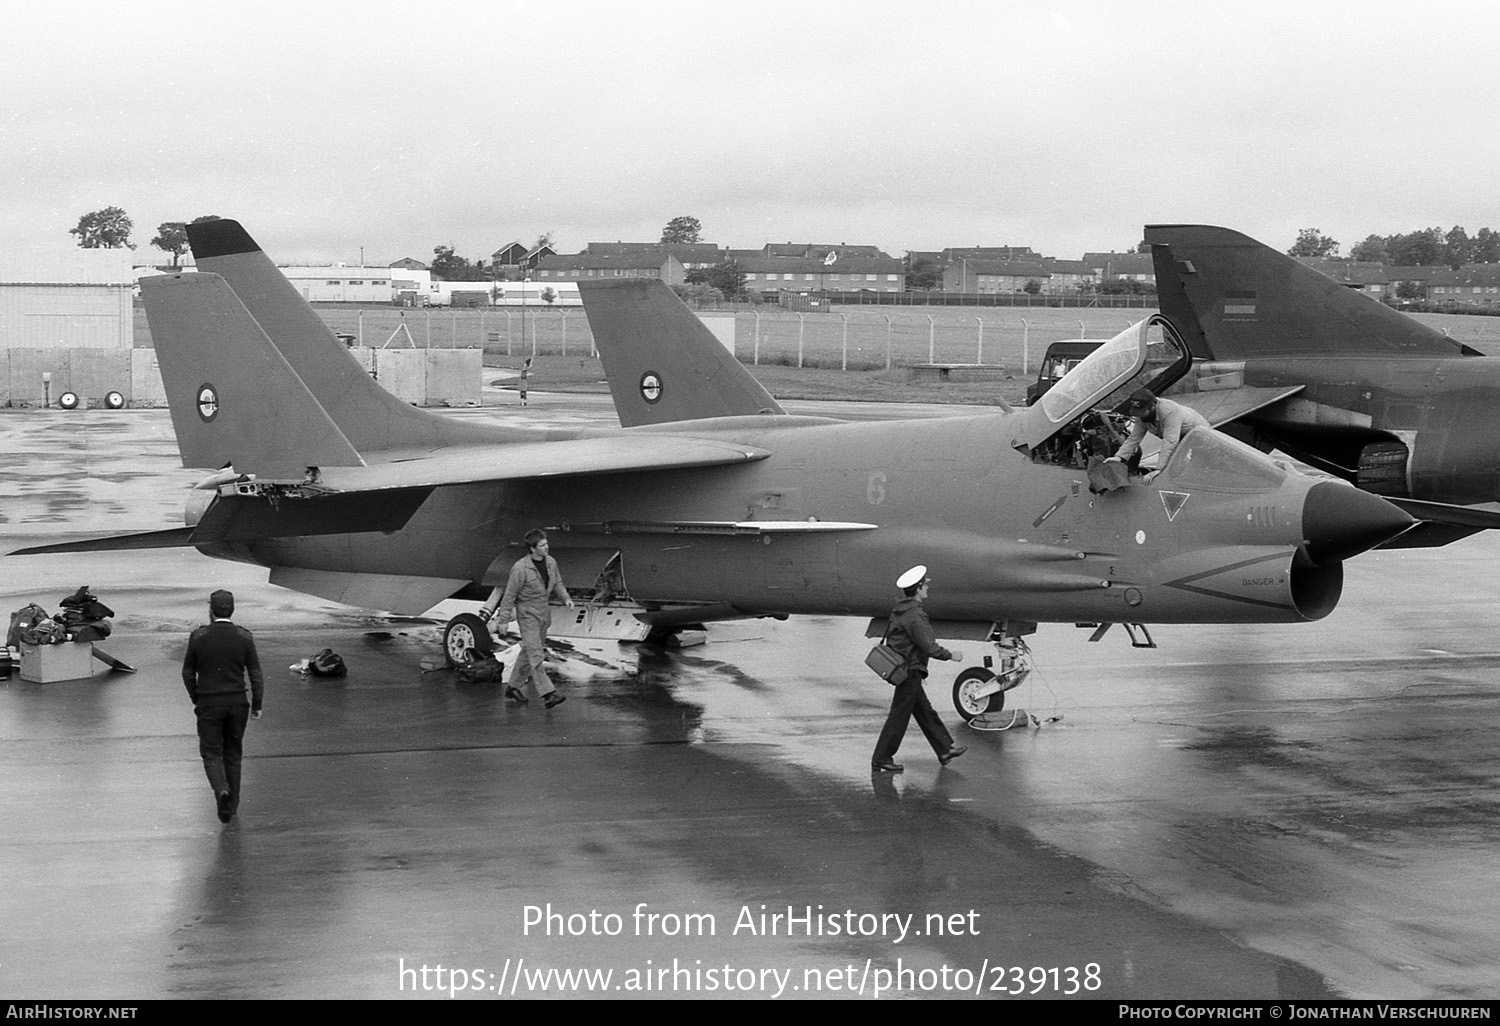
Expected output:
(1148, 354)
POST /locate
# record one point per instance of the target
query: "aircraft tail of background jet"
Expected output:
(234, 399)
(662, 362)
(1233, 298)
(372, 419)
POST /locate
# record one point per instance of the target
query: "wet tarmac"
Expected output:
(1303, 811)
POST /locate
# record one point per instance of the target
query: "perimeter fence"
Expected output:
(847, 337)
(850, 338)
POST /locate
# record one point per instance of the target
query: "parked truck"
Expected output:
(1061, 357)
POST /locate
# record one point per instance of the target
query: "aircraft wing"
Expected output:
(1221, 406)
(609, 454)
(341, 505)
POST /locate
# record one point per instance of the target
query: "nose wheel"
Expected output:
(976, 692)
(980, 689)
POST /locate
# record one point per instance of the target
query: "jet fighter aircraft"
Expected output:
(1288, 358)
(711, 502)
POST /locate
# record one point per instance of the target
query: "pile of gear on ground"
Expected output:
(82, 618)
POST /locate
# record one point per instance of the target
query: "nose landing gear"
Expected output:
(981, 689)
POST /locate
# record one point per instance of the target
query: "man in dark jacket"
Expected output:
(911, 635)
(219, 658)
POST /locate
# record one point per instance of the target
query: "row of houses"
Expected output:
(1467, 286)
(775, 267)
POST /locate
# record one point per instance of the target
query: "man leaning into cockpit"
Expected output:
(1167, 420)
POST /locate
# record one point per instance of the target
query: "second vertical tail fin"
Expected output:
(663, 363)
(1234, 299)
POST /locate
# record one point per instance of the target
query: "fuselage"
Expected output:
(1444, 410)
(1221, 535)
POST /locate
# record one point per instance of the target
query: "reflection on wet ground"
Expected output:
(1242, 813)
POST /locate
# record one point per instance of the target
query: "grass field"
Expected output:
(865, 340)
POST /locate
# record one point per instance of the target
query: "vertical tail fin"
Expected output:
(663, 364)
(234, 398)
(1234, 299)
(371, 418)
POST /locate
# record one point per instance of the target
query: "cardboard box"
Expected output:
(45, 664)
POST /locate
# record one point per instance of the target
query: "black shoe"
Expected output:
(552, 699)
(515, 694)
(951, 754)
(889, 766)
(223, 800)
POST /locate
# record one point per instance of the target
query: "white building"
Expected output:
(66, 299)
(340, 283)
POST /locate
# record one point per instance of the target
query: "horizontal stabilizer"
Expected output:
(249, 517)
(174, 538)
(1440, 523)
(242, 518)
(1233, 298)
(663, 363)
(233, 397)
(606, 454)
(1429, 535)
(1480, 517)
(1222, 406)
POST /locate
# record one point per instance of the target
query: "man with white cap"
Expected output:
(910, 634)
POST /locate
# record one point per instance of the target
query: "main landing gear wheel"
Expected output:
(466, 639)
(969, 697)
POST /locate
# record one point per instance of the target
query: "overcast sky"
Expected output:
(330, 126)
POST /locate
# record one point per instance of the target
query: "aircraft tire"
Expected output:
(969, 707)
(115, 401)
(466, 639)
(68, 401)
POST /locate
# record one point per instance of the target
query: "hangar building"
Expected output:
(67, 299)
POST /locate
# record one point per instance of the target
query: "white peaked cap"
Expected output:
(913, 576)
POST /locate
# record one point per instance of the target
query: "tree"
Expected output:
(727, 277)
(1372, 250)
(1313, 243)
(448, 266)
(1419, 248)
(109, 228)
(171, 237)
(1486, 247)
(697, 294)
(1032, 287)
(543, 240)
(1143, 247)
(1458, 248)
(924, 273)
(549, 295)
(682, 229)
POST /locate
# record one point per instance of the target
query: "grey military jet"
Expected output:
(711, 502)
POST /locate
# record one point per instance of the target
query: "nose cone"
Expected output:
(1339, 521)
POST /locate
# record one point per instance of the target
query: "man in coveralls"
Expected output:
(533, 579)
(911, 635)
(219, 657)
(1167, 420)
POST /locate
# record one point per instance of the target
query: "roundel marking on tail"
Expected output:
(208, 402)
(651, 387)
